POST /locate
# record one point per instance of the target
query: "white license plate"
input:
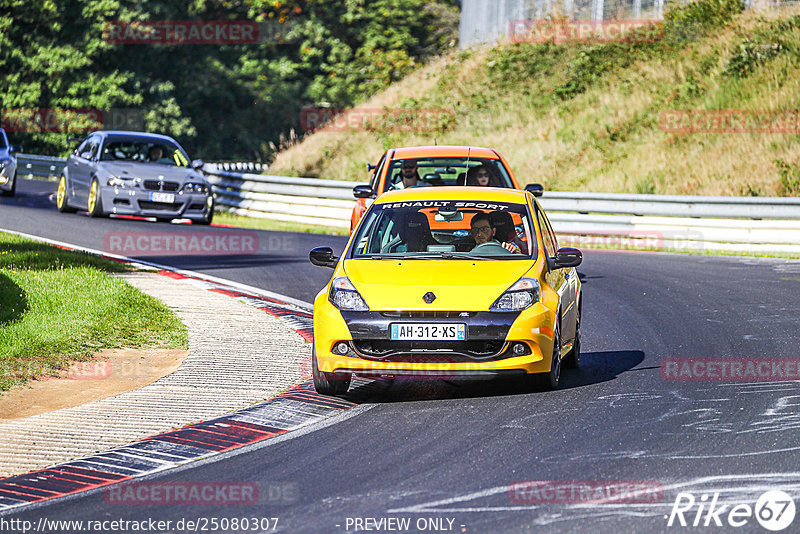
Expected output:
(428, 332)
(169, 198)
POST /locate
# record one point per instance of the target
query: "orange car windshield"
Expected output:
(446, 229)
(426, 172)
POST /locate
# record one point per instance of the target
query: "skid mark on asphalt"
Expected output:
(732, 490)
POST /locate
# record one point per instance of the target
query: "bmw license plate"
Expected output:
(428, 332)
(169, 198)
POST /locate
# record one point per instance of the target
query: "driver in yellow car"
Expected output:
(483, 231)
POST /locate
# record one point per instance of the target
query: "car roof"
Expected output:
(444, 151)
(126, 134)
(495, 194)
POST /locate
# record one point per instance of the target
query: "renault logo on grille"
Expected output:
(429, 297)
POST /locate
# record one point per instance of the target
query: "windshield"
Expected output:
(144, 151)
(424, 172)
(446, 229)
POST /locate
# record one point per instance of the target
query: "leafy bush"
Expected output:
(789, 177)
(749, 56)
(701, 14)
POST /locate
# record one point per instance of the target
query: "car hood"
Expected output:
(459, 285)
(149, 171)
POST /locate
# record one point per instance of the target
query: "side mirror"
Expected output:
(536, 189)
(370, 166)
(362, 191)
(15, 148)
(323, 257)
(197, 164)
(566, 257)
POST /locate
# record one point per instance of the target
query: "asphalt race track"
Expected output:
(445, 456)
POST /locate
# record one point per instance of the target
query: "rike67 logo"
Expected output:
(774, 510)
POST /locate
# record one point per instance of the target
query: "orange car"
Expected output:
(435, 166)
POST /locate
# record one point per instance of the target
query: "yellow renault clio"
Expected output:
(448, 281)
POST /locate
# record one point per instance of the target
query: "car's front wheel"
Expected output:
(95, 204)
(549, 380)
(209, 216)
(61, 196)
(328, 383)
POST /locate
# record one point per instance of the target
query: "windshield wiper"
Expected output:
(452, 256)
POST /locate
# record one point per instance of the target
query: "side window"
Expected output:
(373, 181)
(88, 148)
(551, 232)
(547, 237)
(83, 148)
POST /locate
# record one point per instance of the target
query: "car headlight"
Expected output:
(195, 188)
(344, 295)
(523, 294)
(120, 182)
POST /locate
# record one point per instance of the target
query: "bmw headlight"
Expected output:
(344, 295)
(195, 188)
(523, 294)
(120, 182)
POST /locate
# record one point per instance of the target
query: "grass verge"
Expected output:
(58, 306)
(221, 217)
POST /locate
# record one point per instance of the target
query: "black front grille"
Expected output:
(428, 351)
(158, 206)
(427, 314)
(155, 185)
(196, 207)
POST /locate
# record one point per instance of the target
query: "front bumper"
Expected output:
(488, 350)
(137, 201)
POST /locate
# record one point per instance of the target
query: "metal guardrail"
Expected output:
(33, 166)
(747, 224)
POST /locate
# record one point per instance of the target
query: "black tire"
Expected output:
(95, 208)
(331, 384)
(549, 380)
(209, 217)
(13, 190)
(61, 196)
(573, 358)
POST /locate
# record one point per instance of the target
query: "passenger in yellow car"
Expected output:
(483, 231)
